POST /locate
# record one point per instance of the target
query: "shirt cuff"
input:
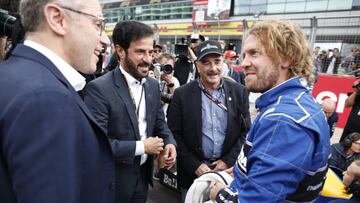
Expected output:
(140, 148)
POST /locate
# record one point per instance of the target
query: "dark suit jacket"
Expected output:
(184, 120)
(109, 100)
(51, 149)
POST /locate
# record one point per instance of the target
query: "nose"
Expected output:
(104, 39)
(148, 57)
(245, 62)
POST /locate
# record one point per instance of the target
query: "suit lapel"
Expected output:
(32, 54)
(229, 100)
(149, 104)
(195, 105)
(124, 94)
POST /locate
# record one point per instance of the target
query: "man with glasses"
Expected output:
(52, 149)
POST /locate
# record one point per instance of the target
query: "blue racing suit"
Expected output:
(284, 158)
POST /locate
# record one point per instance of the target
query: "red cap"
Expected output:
(231, 54)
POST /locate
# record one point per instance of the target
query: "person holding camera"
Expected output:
(352, 124)
(209, 117)
(168, 82)
(351, 180)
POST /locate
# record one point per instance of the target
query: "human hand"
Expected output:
(214, 190)
(168, 78)
(202, 169)
(219, 165)
(168, 156)
(230, 171)
(153, 145)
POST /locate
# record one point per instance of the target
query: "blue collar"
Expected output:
(287, 87)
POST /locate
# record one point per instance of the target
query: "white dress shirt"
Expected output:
(76, 80)
(136, 87)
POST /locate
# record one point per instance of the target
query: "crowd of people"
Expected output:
(78, 127)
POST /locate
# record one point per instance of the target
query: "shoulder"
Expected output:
(188, 87)
(297, 107)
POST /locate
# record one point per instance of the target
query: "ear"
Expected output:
(120, 52)
(55, 19)
(285, 64)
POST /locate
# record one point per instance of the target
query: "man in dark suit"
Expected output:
(51, 148)
(127, 105)
(208, 118)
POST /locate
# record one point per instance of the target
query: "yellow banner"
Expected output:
(229, 28)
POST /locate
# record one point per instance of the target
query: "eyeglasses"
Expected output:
(100, 20)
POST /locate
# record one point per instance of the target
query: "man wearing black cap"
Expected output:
(208, 118)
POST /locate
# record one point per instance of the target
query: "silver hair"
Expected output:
(32, 15)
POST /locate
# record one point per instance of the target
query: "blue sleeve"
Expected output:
(280, 156)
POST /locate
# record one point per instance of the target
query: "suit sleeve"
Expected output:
(42, 147)
(99, 107)
(175, 122)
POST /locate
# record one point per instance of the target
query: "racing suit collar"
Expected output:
(273, 94)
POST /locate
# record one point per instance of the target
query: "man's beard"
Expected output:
(264, 81)
(133, 69)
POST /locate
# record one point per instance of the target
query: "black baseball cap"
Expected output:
(208, 47)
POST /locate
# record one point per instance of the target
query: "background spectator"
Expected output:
(329, 107)
(344, 153)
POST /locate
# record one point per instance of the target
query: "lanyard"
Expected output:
(208, 95)
(137, 107)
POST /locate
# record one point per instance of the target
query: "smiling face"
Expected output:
(137, 59)
(261, 72)
(83, 39)
(210, 69)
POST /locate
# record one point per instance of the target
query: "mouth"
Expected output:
(143, 68)
(97, 52)
(249, 73)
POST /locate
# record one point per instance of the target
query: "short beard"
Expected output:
(265, 83)
(131, 68)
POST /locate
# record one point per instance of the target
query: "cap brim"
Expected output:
(210, 52)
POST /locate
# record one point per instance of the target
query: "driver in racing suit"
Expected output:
(284, 158)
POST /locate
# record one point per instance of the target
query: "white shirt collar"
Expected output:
(130, 79)
(76, 80)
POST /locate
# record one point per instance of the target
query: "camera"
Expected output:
(181, 50)
(166, 68)
(6, 23)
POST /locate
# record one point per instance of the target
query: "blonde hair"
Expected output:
(284, 41)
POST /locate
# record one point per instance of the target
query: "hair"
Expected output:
(328, 103)
(349, 139)
(283, 41)
(127, 31)
(167, 56)
(32, 15)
